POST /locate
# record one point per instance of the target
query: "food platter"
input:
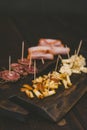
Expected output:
(54, 107)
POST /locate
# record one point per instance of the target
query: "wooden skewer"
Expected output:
(78, 50)
(42, 60)
(75, 52)
(49, 80)
(34, 69)
(60, 57)
(57, 63)
(22, 51)
(30, 60)
(68, 53)
(9, 64)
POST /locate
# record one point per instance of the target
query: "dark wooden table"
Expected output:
(30, 28)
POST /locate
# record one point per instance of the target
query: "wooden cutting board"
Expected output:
(54, 107)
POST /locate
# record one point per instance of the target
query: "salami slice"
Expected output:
(25, 61)
(30, 70)
(10, 76)
(18, 68)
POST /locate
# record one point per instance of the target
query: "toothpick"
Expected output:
(68, 53)
(79, 47)
(34, 69)
(9, 64)
(49, 80)
(60, 57)
(30, 61)
(75, 52)
(22, 51)
(42, 60)
(57, 63)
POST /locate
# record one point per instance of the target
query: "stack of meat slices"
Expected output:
(39, 52)
(24, 61)
(18, 68)
(47, 49)
(27, 66)
(22, 68)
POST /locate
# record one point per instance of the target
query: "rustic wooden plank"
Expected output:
(13, 110)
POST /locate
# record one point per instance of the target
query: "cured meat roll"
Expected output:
(39, 52)
(41, 56)
(60, 50)
(49, 42)
(42, 49)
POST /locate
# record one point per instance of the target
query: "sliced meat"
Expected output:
(39, 52)
(18, 68)
(49, 42)
(30, 70)
(60, 50)
(10, 76)
(42, 49)
(25, 61)
(40, 55)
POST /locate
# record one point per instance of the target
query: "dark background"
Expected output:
(44, 6)
(30, 20)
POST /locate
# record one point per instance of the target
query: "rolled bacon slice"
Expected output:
(45, 52)
(60, 50)
(49, 42)
(39, 52)
(10, 76)
(42, 49)
(41, 56)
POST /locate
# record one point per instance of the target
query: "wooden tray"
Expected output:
(54, 107)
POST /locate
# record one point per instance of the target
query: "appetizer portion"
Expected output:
(75, 64)
(19, 68)
(60, 50)
(50, 42)
(39, 52)
(47, 85)
(10, 76)
(24, 61)
(30, 69)
(47, 49)
(56, 46)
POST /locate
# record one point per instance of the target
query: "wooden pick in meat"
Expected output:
(30, 60)
(57, 63)
(68, 53)
(9, 64)
(75, 52)
(34, 69)
(42, 60)
(59, 57)
(22, 51)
